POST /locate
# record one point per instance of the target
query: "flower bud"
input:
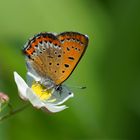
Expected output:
(4, 99)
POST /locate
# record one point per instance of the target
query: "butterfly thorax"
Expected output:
(50, 85)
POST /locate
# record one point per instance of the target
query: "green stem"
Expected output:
(10, 107)
(13, 112)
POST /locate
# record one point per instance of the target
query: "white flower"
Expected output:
(40, 97)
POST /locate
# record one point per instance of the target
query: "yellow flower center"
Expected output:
(41, 91)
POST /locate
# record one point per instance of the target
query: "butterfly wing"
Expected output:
(54, 57)
(73, 45)
(43, 53)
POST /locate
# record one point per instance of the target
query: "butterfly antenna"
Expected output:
(78, 87)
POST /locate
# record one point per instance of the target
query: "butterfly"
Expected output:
(53, 57)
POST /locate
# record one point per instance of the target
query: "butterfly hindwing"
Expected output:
(44, 51)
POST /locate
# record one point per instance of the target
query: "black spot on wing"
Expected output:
(66, 65)
(71, 58)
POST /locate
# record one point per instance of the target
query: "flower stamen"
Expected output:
(41, 91)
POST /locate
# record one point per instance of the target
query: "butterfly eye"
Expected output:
(58, 88)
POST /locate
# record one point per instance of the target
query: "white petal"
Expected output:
(61, 97)
(64, 99)
(33, 76)
(31, 72)
(35, 101)
(21, 85)
(54, 109)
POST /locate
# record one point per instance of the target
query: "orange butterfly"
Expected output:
(53, 57)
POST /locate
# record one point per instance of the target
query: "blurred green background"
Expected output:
(110, 106)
